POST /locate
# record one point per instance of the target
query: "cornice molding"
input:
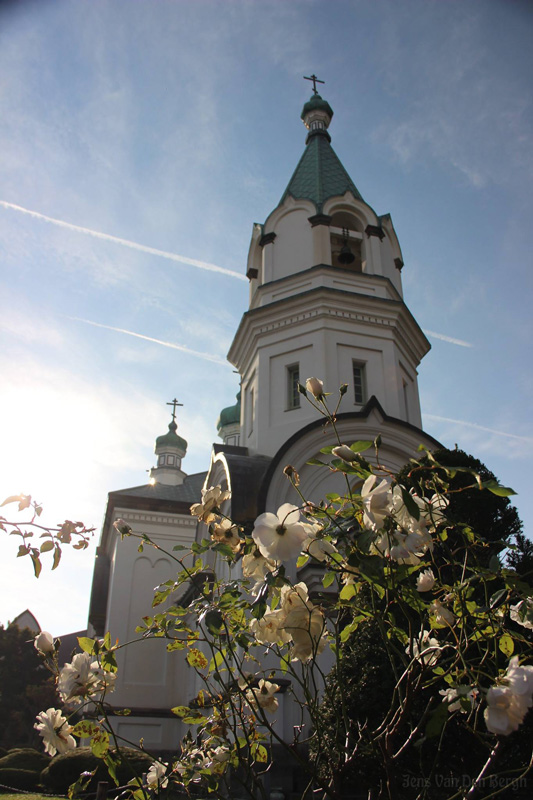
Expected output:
(323, 303)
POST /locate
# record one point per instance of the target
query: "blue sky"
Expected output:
(175, 125)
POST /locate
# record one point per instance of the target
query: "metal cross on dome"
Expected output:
(174, 403)
(315, 81)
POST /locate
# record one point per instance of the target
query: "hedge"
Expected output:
(25, 758)
(64, 770)
(26, 779)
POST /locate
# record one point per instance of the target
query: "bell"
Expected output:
(346, 256)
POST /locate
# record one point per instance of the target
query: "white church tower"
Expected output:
(326, 300)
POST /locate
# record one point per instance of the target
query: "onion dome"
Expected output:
(317, 104)
(229, 423)
(169, 449)
(171, 440)
(230, 415)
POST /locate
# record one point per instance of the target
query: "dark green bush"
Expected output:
(26, 779)
(25, 758)
(64, 770)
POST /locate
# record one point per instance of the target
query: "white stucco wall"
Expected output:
(148, 676)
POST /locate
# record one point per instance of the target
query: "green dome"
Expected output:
(230, 415)
(317, 103)
(171, 439)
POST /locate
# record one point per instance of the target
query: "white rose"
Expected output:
(425, 581)
(315, 386)
(44, 643)
(280, 536)
(344, 452)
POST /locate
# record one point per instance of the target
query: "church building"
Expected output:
(326, 300)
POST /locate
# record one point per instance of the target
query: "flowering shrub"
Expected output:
(447, 637)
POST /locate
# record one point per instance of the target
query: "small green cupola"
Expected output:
(229, 423)
(171, 440)
(169, 449)
(317, 114)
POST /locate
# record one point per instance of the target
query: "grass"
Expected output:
(29, 796)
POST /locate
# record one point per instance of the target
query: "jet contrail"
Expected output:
(193, 262)
(449, 339)
(479, 427)
(182, 347)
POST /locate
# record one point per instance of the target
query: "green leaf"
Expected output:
(111, 765)
(496, 597)
(177, 644)
(349, 629)
(494, 487)
(224, 550)
(216, 661)
(84, 729)
(57, 556)
(437, 721)
(494, 564)
(347, 592)
(100, 743)
(86, 644)
(109, 662)
(506, 645)
(259, 753)
(46, 546)
(360, 447)
(213, 621)
(328, 579)
(315, 462)
(196, 658)
(259, 608)
(180, 711)
(409, 503)
(23, 550)
(37, 566)
(194, 719)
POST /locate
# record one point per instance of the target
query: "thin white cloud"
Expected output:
(193, 262)
(182, 347)
(449, 339)
(436, 417)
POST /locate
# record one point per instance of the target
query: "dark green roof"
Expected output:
(230, 415)
(319, 174)
(171, 439)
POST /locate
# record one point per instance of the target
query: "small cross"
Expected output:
(315, 81)
(174, 403)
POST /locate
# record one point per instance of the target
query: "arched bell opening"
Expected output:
(347, 242)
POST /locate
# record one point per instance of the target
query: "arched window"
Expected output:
(347, 242)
